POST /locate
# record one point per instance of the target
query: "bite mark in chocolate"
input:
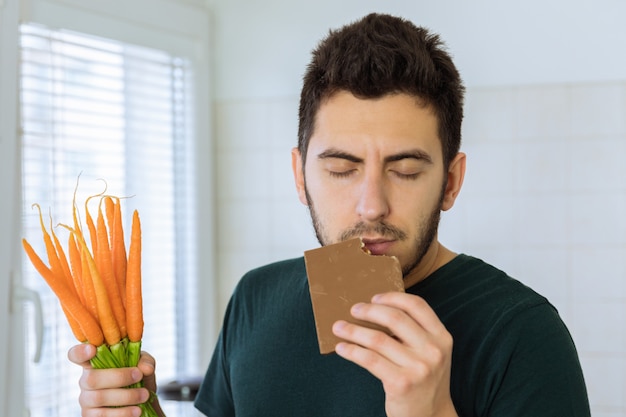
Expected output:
(341, 275)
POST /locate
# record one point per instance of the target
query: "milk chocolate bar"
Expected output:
(341, 275)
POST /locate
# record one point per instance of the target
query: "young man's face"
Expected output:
(375, 170)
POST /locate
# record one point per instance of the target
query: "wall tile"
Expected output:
(605, 377)
(242, 125)
(243, 175)
(233, 264)
(490, 220)
(603, 412)
(597, 218)
(489, 168)
(282, 183)
(599, 327)
(543, 219)
(283, 123)
(597, 163)
(598, 109)
(453, 227)
(541, 166)
(543, 112)
(292, 231)
(545, 269)
(598, 273)
(244, 226)
(489, 115)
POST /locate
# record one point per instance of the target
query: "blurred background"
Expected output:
(544, 131)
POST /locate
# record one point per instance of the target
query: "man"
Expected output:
(378, 158)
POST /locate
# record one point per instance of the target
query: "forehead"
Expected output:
(386, 124)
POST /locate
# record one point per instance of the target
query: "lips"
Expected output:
(378, 246)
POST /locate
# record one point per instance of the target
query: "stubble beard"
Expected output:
(425, 237)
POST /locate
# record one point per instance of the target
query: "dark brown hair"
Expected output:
(379, 55)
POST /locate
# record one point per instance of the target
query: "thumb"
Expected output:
(147, 366)
(81, 354)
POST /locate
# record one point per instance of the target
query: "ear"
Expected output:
(456, 174)
(298, 174)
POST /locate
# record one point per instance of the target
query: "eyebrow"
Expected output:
(416, 154)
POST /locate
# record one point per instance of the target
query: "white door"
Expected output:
(11, 318)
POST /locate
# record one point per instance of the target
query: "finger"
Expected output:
(401, 325)
(81, 354)
(97, 379)
(147, 366)
(147, 363)
(133, 411)
(118, 397)
(376, 341)
(387, 358)
(416, 307)
(378, 365)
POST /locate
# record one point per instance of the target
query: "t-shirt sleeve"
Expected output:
(535, 369)
(214, 397)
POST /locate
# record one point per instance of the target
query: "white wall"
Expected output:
(262, 47)
(545, 129)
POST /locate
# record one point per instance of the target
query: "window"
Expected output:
(105, 109)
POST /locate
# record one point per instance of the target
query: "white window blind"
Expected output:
(104, 109)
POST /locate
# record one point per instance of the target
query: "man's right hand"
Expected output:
(102, 389)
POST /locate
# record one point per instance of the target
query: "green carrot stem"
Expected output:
(134, 352)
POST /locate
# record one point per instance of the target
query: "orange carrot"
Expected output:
(109, 212)
(72, 305)
(74, 325)
(104, 263)
(77, 226)
(92, 228)
(65, 267)
(53, 258)
(90, 224)
(86, 282)
(134, 307)
(88, 287)
(75, 263)
(118, 251)
(108, 323)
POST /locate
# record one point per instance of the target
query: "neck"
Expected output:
(436, 257)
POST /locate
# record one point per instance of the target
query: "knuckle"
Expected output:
(378, 339)
(401, 384)
(438, 357)
(422, 371)
(435, 355)
(416, 302)
(87, 380)
(395, 316)
(369, 360)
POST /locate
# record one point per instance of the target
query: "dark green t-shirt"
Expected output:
(512, 354)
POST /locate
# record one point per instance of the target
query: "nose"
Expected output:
(373, 204)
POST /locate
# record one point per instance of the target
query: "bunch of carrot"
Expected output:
(99, 287)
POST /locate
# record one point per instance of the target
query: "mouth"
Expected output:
(377, 246)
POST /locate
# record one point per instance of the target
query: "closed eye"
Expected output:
(341, 174)
(406, 176)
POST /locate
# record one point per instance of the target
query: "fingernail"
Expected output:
(147, 395)
(376, 298)
(137, 375)
(340, 348)
(357, 307)
(339, 325)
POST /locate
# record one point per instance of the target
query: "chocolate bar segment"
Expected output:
(341, 275)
